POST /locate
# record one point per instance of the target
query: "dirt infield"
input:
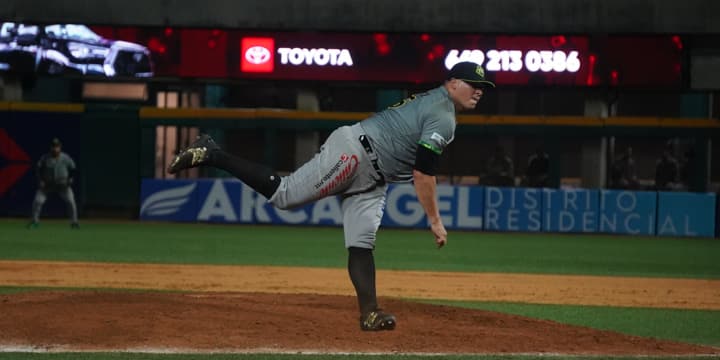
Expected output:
(235, 308)
(242, 321)
(526, 288)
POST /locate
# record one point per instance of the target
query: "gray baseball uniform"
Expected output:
(426, 119)
(54, 175)
(344, 167)
(355, 163)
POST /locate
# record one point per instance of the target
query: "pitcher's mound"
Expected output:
(242, 322)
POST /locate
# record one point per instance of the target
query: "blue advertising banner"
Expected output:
(231, 201)
(686, 214)
(717, 216)
(226, 201)
(513, 209)
(627, 212)
(461, 207)
(570, 210)
(169, 200)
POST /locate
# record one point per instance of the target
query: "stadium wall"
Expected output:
(102, 139)
(115, 145)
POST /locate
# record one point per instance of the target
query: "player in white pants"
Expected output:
(400, 144)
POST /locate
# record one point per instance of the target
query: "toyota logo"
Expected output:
(257, 55)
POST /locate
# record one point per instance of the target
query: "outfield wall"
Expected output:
(115, 146)
(461, 207)
(104, 141)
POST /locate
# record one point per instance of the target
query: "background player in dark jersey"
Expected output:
(400, 144)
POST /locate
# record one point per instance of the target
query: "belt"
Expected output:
(373, 156)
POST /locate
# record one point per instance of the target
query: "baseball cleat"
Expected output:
(194, 155)
(377, 320)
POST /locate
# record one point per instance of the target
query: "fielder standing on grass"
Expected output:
(400, 144)
(55, 171)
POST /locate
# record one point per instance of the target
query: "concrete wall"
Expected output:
(516, 16)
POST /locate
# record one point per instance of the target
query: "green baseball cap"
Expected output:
(55, 142)
(471, 73)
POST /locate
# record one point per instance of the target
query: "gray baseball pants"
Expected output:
(65, 193)
(342, 167)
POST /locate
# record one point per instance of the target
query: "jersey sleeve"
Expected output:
(40, 163)
(70, 162)
(438, 131)
(39, 168)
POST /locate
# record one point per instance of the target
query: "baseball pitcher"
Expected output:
(400, 144)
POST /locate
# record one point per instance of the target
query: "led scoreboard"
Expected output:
(543, 60)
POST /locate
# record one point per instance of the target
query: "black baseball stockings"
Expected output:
(361, 266)
(259, 177)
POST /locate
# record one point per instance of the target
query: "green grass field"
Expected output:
(397, 249)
